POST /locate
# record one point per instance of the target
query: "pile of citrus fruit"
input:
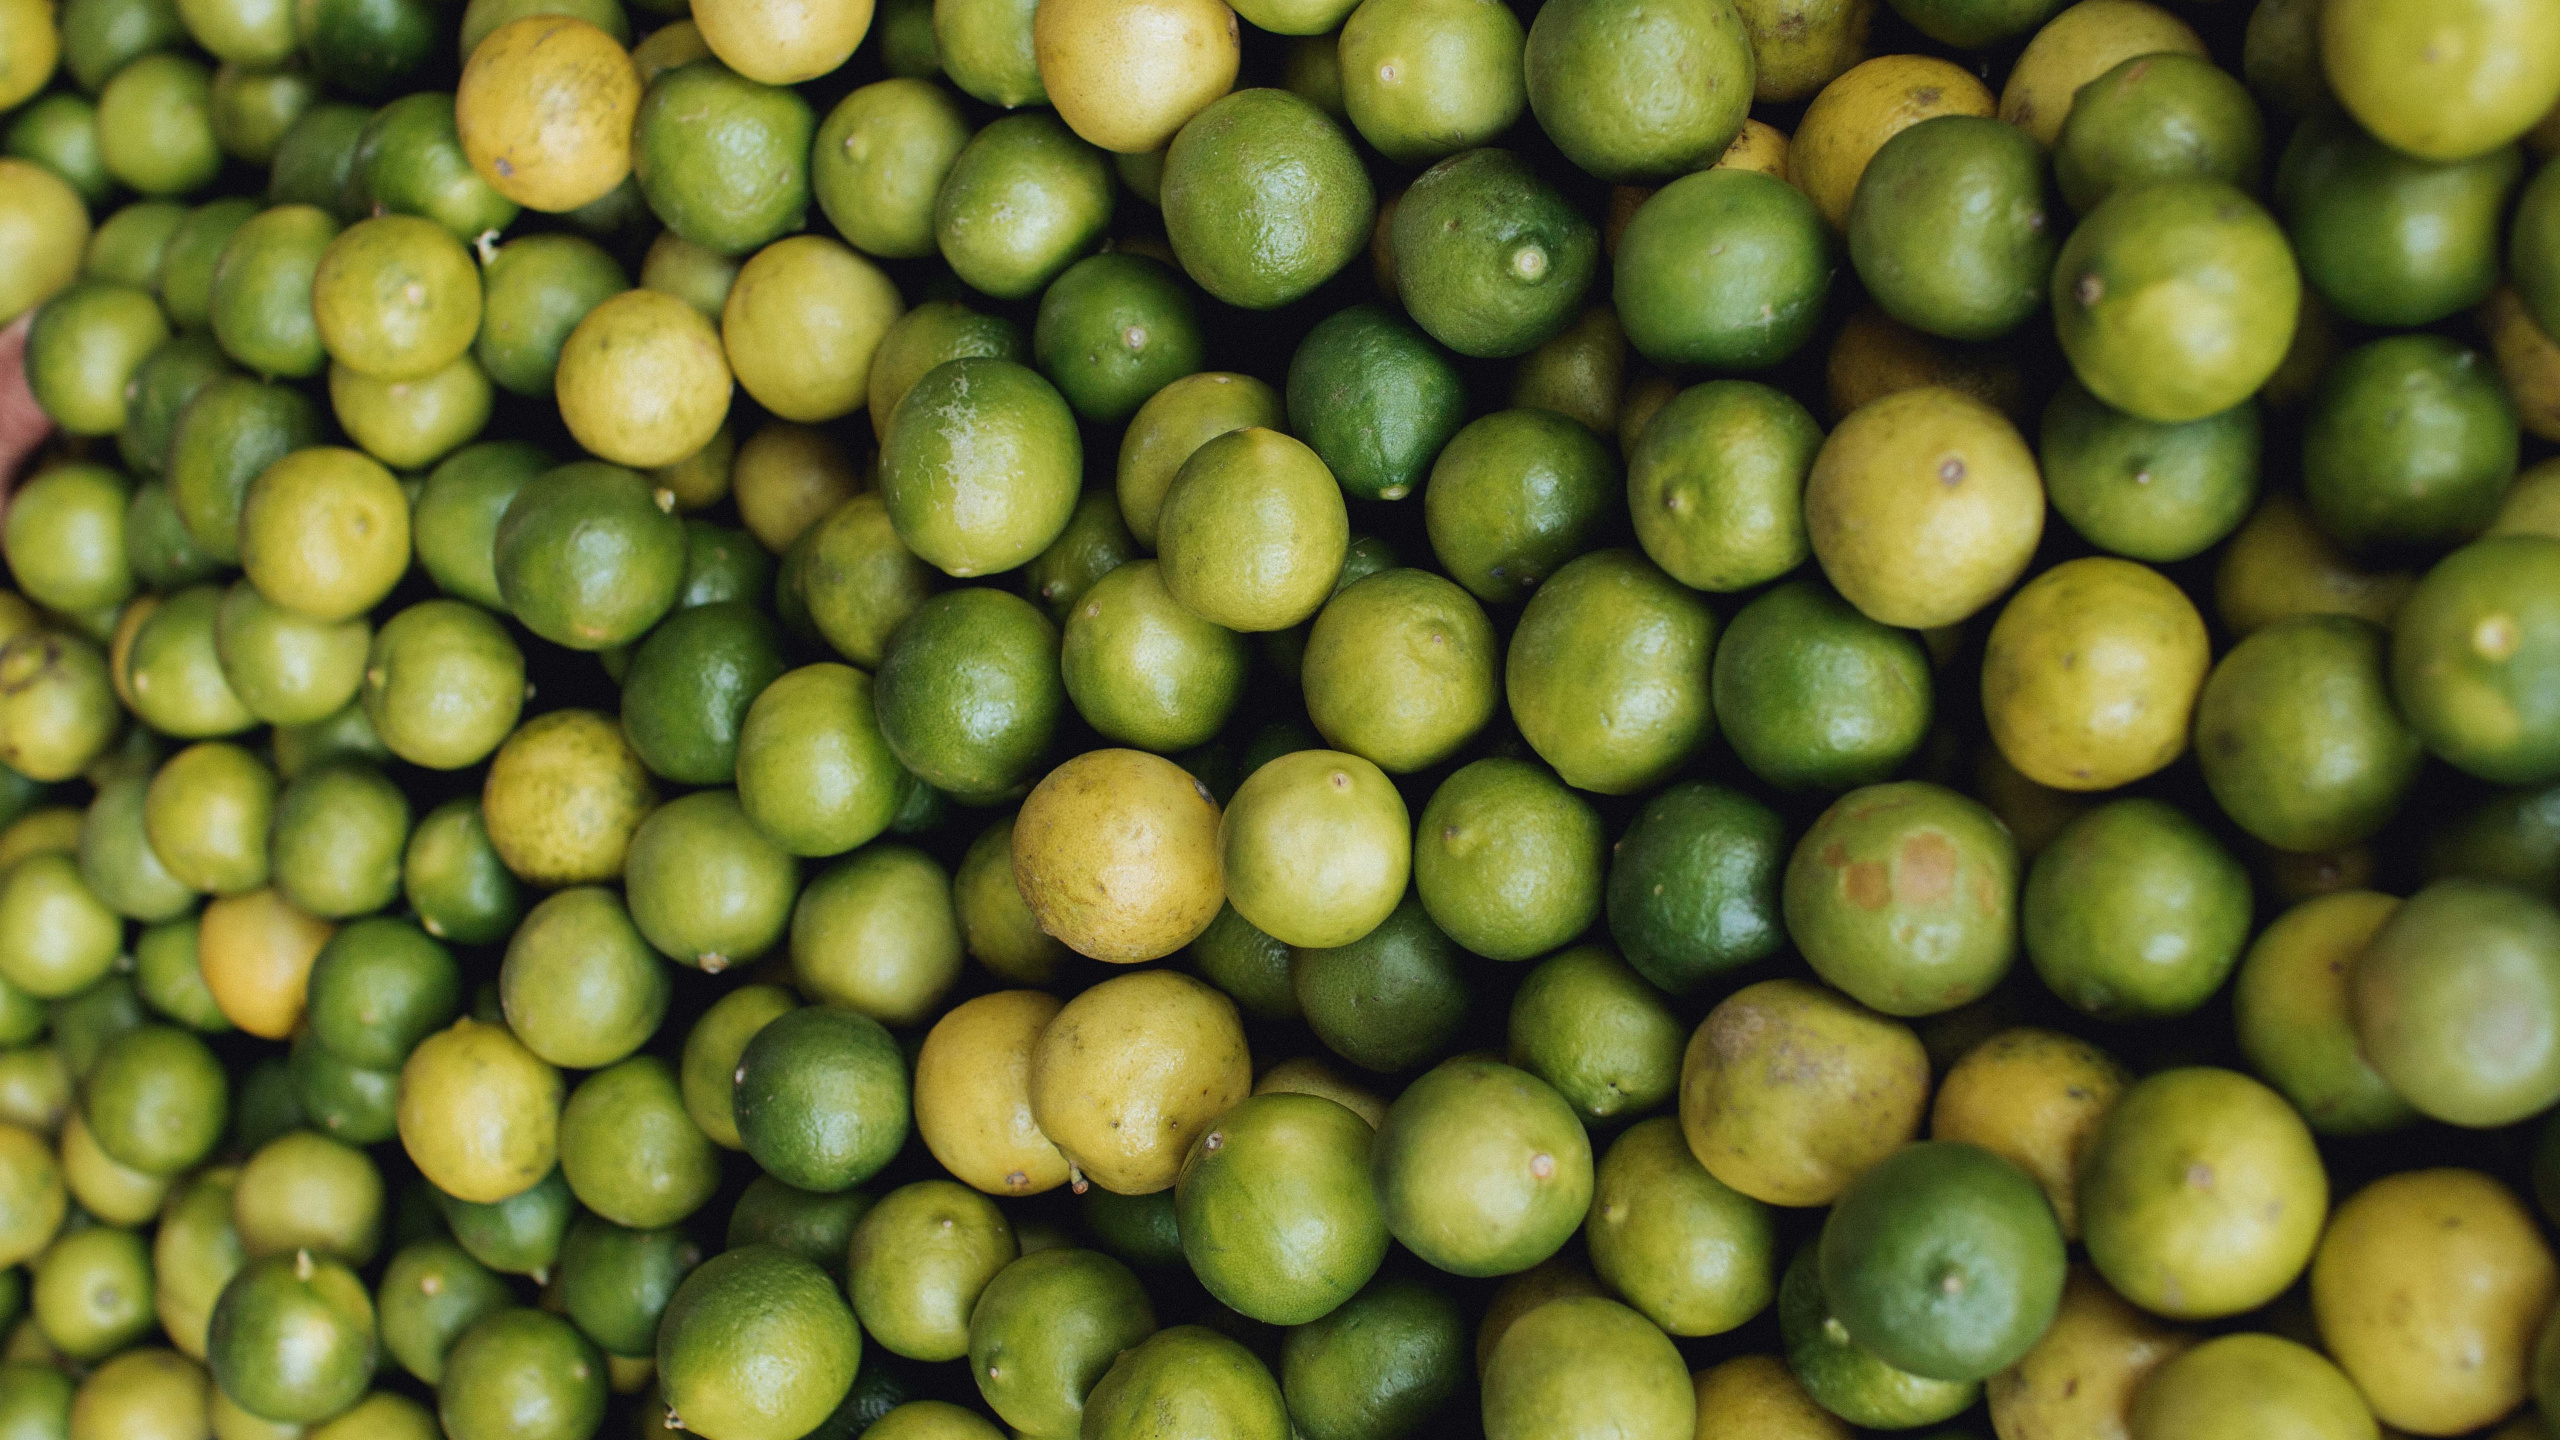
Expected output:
(1336, 720)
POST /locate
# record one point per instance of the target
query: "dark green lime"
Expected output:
(1693, 885)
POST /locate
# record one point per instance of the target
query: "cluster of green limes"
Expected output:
(579, 859)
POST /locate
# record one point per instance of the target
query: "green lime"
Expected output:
(1689, 1253)
(1813, 695)
(919, 1261)
(723, 564)
(2158, 117)
(128, 246)
(1631, 92)
(537, 288)
(1607, 673)
(65, 539)
(207, 815)
(410, 161)
(1507, 860)
(84, 347)
(35, 1401)
(519, 1234)
(155, 126)
(630, 1152)
(1757, 304)
(1943, 1260)
(1144, 671)
(166, 972)
(580, 985)
(58, 709)
(479, 1112)
(1385, 1362)
(261, 304)
(520, 1374)
(2435, 992)
(156, 1099)
(1190, 1378)
(685, 697)
(345, 1101)
(304, 1192)
(1317, 846)
(723, 160)
(1264, 199)
(1175, 422)
(1490, 259)
(2191, 237)
(1844, 1377)
(1113, 329)
(453, 878)
(1975, 24)
(193, 1255)
(985, 47)
(1143, 1230)
(2410, 443)
(615, 1282)
(586, 558)
(443, 684)
(396, 297)
(92, 1293)
(756, 1345)
(284, 668)
(2291, 1011)
(817, 1228)
(2388, 238)
(926, 336)
(1953, 227)
(814, 772)
(292, 1339)
(1426, 78)
(2201, 1195)
(99, 36)
(340, 830)
(1282, 1253)
(1094, 544)
(1586, 1023)
(253, 108)
(1583, 1365)
(173, 672)
(947, 504)
(1391, 999)
(1481, 1169)
(1400, 669)
(2134, 912)
(2298, 738)
(163, 384)
(969, 694)
(708, 889)
(59, 134)
(1047, 1328)
(2149, 491)
(223, 440)
(1023, 200)
(855, 580)
(369, 48)
(880, 157)
(324, 532)
(315, 160)
(1512, 497)
(877, 934)
(454, 521)
(1252, 532)
(711, 1050)
(822, 1098)
(1905, 896)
